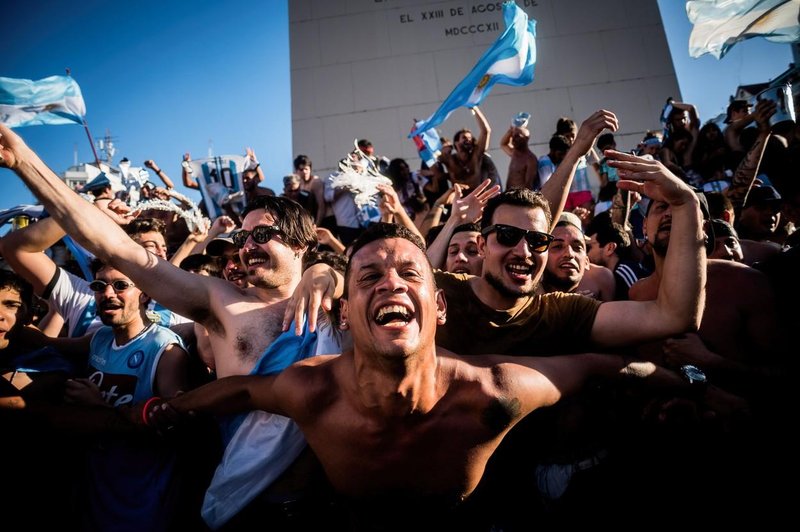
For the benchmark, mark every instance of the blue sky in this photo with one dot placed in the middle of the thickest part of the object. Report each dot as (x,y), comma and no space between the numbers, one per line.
(166,77)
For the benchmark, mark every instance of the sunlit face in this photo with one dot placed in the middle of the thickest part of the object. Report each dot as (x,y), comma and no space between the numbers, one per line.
(658,225)
(727,248)
(10,312)
(233,271)
(465,142)
(272,264)
(117,307)
(566,258)
(514,272)
(680,120)
(392,307)
(463,255)
(154,242)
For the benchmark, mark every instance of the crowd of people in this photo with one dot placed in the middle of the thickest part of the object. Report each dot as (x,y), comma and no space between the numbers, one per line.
(595,336)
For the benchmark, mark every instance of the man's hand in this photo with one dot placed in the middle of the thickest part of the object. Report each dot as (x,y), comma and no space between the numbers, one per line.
(12,148)
(649,177)
(763,112)
(591,128)
(688,349)
(222,224)
(117,210)
(389,201)
(316,289)
(469,208)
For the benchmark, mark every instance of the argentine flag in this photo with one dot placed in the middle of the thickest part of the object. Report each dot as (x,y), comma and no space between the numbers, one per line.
(719,24)
(510,61)
(48,101)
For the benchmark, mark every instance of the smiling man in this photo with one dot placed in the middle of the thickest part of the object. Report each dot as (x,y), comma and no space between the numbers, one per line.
(243,323)
(403,428)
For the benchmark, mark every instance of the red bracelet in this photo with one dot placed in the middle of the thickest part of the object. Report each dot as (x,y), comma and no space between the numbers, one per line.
(146,406)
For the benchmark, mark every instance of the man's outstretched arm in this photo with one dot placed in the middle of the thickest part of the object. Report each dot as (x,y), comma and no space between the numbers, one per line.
(179,291)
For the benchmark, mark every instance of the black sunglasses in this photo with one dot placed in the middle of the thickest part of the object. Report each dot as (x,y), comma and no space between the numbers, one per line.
(261,235)
(118,285)
(509,236)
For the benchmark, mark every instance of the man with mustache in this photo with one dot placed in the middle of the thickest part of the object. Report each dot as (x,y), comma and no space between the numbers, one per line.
(244,324)
(403,428)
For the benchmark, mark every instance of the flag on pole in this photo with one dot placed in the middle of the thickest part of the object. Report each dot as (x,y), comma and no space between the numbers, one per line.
(720,24)
(48,101)
(510,61)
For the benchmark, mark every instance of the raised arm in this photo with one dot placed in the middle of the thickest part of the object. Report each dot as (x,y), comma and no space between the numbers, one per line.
(182,292)
(151,164)
(24,249)
(681,293)
(466,209)
(505,142)
(186,175)
(556,188)
(747,170)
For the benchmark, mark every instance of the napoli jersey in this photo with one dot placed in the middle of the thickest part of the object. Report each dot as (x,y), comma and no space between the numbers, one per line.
(125,374)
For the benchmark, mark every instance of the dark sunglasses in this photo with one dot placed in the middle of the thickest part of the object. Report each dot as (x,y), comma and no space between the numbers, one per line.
(118,286)
(261,235)
(509,236)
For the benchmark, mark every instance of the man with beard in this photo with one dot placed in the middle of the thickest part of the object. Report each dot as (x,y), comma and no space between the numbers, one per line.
(500,311)
(131,480)
(244,324)
(468,164)
(568,268)
(404,428)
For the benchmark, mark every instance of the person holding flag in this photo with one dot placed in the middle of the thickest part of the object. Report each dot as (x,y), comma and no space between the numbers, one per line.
(510,61)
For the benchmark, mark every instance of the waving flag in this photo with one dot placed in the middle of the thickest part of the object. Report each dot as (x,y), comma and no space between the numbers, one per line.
(429,144)
(719,24)
(510,61)
(48,101)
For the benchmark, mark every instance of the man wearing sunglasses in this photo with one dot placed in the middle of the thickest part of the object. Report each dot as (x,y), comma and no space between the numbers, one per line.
(128,360)
(243,324)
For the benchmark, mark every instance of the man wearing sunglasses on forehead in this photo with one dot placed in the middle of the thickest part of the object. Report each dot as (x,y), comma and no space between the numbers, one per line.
(244,324)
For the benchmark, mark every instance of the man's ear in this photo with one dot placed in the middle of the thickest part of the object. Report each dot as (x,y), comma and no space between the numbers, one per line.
(482,245)
(611,247)
(144,300)
(441,307)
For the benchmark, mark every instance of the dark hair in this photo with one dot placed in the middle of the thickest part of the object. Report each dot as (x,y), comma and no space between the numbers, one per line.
(565,125)
(611,232)
(559,143)
(433,232)
(11,281)
(459,134)
(95,266)
(605,140)
(146,225)
(302,160)
(723,228)
(718,203)
(382,231)
(470,228)
(337,261)
(292,219)
(518,197)
(207,263)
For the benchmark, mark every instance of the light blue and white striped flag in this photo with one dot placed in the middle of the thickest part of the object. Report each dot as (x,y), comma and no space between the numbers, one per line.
(510,61)
(49,101)
(719,24)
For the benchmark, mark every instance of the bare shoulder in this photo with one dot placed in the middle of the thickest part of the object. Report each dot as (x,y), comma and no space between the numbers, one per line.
(730,275)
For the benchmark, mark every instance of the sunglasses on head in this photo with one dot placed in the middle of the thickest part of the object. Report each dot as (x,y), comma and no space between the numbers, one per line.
(118,285)
(261,235)
(509,236)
